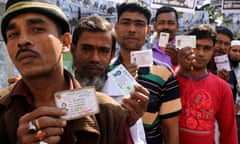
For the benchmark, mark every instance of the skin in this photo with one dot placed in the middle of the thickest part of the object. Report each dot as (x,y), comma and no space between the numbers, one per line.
(132,29)
(166,22)
(234,53)
(93,48)
(222,47)
(96,48)
(197,58)
(41,67)
(203,54)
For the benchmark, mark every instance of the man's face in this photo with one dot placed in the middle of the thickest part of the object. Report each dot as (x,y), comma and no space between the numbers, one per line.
(166,22)
(92,56)
(222,45)
(34,44)
(234,53)
(203,53)
(132,30)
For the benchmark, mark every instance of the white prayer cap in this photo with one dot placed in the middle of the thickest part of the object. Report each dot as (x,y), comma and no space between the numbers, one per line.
(235,42)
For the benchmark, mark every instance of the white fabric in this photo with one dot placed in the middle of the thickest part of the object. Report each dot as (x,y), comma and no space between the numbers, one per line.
(137,130)
(235,42)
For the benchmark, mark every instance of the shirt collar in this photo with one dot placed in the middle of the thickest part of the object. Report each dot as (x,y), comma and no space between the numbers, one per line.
(22,90)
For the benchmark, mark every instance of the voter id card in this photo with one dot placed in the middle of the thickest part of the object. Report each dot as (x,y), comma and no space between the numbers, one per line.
(163,39)
(78,102)
(183,41)
(222,62)
(123,80)
(142,58)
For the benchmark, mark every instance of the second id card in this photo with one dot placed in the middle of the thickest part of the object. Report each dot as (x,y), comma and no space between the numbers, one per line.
(222,62)
(78,102)
(142,58)
(185,41)
(123,79)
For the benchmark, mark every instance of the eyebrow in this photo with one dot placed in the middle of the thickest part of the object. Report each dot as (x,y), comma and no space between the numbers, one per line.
(29,22)
(134,20)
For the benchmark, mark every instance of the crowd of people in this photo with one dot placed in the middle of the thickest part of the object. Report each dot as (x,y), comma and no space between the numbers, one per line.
(179,99)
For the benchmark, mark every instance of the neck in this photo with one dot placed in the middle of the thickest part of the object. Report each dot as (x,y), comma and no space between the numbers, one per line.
(44,87)
(125,56)
(199,73)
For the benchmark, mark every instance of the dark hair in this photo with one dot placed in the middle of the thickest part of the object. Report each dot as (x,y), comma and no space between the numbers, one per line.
(166,9)
(225,31)
(93,24)
(134,7)
(204,31)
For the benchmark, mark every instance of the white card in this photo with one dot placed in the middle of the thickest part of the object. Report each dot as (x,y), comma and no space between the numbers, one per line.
(183,41)
(78,102)
(123,79)
(142,58)
(163,39)
(222,62)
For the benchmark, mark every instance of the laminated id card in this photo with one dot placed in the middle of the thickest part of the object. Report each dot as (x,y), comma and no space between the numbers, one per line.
(78,102)
(123,80)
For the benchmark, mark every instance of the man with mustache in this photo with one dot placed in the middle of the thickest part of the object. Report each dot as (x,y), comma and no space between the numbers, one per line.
(221,47)
(166,20)
(161,118)
(93,46)
(37,34)
(205,97)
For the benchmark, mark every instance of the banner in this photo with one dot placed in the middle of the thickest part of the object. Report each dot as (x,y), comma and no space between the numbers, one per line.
(232,6)
(179,5)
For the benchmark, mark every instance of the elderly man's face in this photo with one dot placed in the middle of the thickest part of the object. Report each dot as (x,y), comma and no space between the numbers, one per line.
(92,55)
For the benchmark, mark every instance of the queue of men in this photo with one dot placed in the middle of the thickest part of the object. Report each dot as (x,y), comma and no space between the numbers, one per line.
(177,98)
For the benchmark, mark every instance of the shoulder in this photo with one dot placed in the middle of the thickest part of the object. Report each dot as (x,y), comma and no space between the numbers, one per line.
(5,91)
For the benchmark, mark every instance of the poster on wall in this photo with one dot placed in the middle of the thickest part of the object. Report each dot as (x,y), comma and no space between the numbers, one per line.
(180,5)
(231,6)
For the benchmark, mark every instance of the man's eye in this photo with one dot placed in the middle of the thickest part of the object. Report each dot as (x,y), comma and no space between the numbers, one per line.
(12,35)
(37,29)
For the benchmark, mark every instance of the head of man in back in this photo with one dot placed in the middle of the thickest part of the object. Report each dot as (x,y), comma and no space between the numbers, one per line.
(93,46)
(166,20)
(36,34)
(223,43)
(234,53)
(132,25)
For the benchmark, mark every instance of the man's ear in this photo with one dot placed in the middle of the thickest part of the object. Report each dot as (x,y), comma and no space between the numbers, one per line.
(66,42)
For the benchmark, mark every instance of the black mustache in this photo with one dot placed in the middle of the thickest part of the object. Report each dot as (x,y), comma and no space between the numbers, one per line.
(26,49)
(97,65)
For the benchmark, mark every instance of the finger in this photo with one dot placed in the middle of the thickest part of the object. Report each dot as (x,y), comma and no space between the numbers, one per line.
(52,139)
(44,111)
(53,131)
(46,121)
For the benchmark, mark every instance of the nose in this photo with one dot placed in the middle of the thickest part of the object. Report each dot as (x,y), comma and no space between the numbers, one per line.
(95,56)
(24,41)
(132,28)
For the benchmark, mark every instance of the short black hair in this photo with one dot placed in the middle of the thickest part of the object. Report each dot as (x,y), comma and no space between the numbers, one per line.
(204,31)
(166,9)
(225,31)
(134,7)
